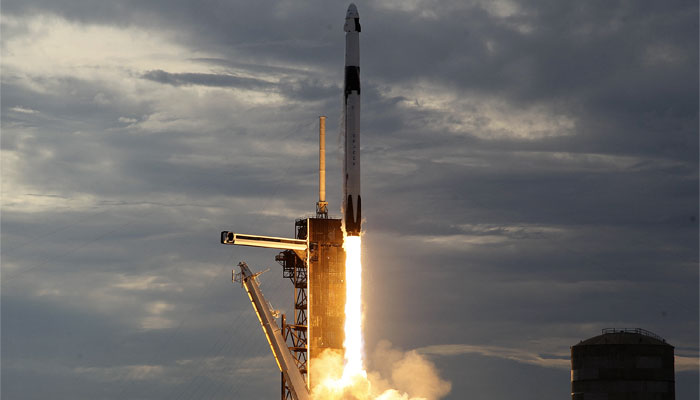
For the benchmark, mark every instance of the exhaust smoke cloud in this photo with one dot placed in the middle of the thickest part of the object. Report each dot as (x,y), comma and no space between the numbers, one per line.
(393,375)
(397,375)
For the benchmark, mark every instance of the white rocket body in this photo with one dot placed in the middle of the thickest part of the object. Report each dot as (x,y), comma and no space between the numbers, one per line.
(352,202)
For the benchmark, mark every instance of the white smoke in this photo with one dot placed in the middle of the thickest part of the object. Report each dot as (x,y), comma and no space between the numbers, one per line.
(393,375)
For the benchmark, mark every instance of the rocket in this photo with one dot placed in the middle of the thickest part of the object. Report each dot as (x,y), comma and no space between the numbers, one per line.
(352,202)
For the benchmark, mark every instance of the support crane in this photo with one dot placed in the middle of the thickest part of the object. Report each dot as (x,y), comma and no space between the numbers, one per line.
(285,361)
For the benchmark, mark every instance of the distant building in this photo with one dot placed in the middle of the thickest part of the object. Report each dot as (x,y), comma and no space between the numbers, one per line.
(623,364)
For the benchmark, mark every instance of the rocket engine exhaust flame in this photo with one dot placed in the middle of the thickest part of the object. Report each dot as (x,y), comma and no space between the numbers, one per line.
(348,378)
(409,376)
(353,343)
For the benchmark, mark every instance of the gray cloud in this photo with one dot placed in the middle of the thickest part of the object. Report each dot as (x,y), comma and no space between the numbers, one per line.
(217,80)
(529,170)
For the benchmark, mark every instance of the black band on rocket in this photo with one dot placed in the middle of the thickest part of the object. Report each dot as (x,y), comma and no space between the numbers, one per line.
(352,79)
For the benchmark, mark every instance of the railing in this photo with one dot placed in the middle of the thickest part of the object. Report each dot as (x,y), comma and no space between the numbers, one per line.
(638,331)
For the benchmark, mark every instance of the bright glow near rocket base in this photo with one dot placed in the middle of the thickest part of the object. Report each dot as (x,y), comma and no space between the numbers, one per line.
(350,375)
(353,344)
(343,377)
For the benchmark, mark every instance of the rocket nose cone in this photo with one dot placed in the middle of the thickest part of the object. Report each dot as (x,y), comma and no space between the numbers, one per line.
(352,11)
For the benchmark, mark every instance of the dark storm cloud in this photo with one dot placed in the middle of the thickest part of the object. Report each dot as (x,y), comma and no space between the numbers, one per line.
(293,88)
(585,58)
(217,80)
(477,234)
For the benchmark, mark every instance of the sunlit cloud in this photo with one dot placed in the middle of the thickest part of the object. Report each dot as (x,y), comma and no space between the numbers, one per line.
(684,363)
(481,116)
(559,361)
(141,283)
(50,46)
(515,164)
(122,373)
(23,110)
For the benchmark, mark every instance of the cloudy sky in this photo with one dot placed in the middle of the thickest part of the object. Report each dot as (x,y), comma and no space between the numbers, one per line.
(530,176)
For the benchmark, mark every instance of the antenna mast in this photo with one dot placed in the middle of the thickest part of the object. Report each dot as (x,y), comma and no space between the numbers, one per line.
(322,205)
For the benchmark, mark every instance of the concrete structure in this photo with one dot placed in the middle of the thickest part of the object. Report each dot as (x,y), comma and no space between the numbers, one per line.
(623,364)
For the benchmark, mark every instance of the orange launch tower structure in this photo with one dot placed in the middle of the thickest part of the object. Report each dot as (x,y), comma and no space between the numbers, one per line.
(314,261)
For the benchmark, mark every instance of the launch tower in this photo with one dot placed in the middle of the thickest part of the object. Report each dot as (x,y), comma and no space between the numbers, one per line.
(314,261)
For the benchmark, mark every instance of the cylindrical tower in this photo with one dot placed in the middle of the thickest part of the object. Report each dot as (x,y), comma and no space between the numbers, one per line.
(623,364)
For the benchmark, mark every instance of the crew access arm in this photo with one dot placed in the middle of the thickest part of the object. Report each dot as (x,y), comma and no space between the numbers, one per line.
(284,358)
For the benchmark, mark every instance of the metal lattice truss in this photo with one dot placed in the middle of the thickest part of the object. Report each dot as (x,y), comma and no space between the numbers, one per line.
(295,269)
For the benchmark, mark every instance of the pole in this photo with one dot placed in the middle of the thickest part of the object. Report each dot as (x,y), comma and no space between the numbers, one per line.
(322,205)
